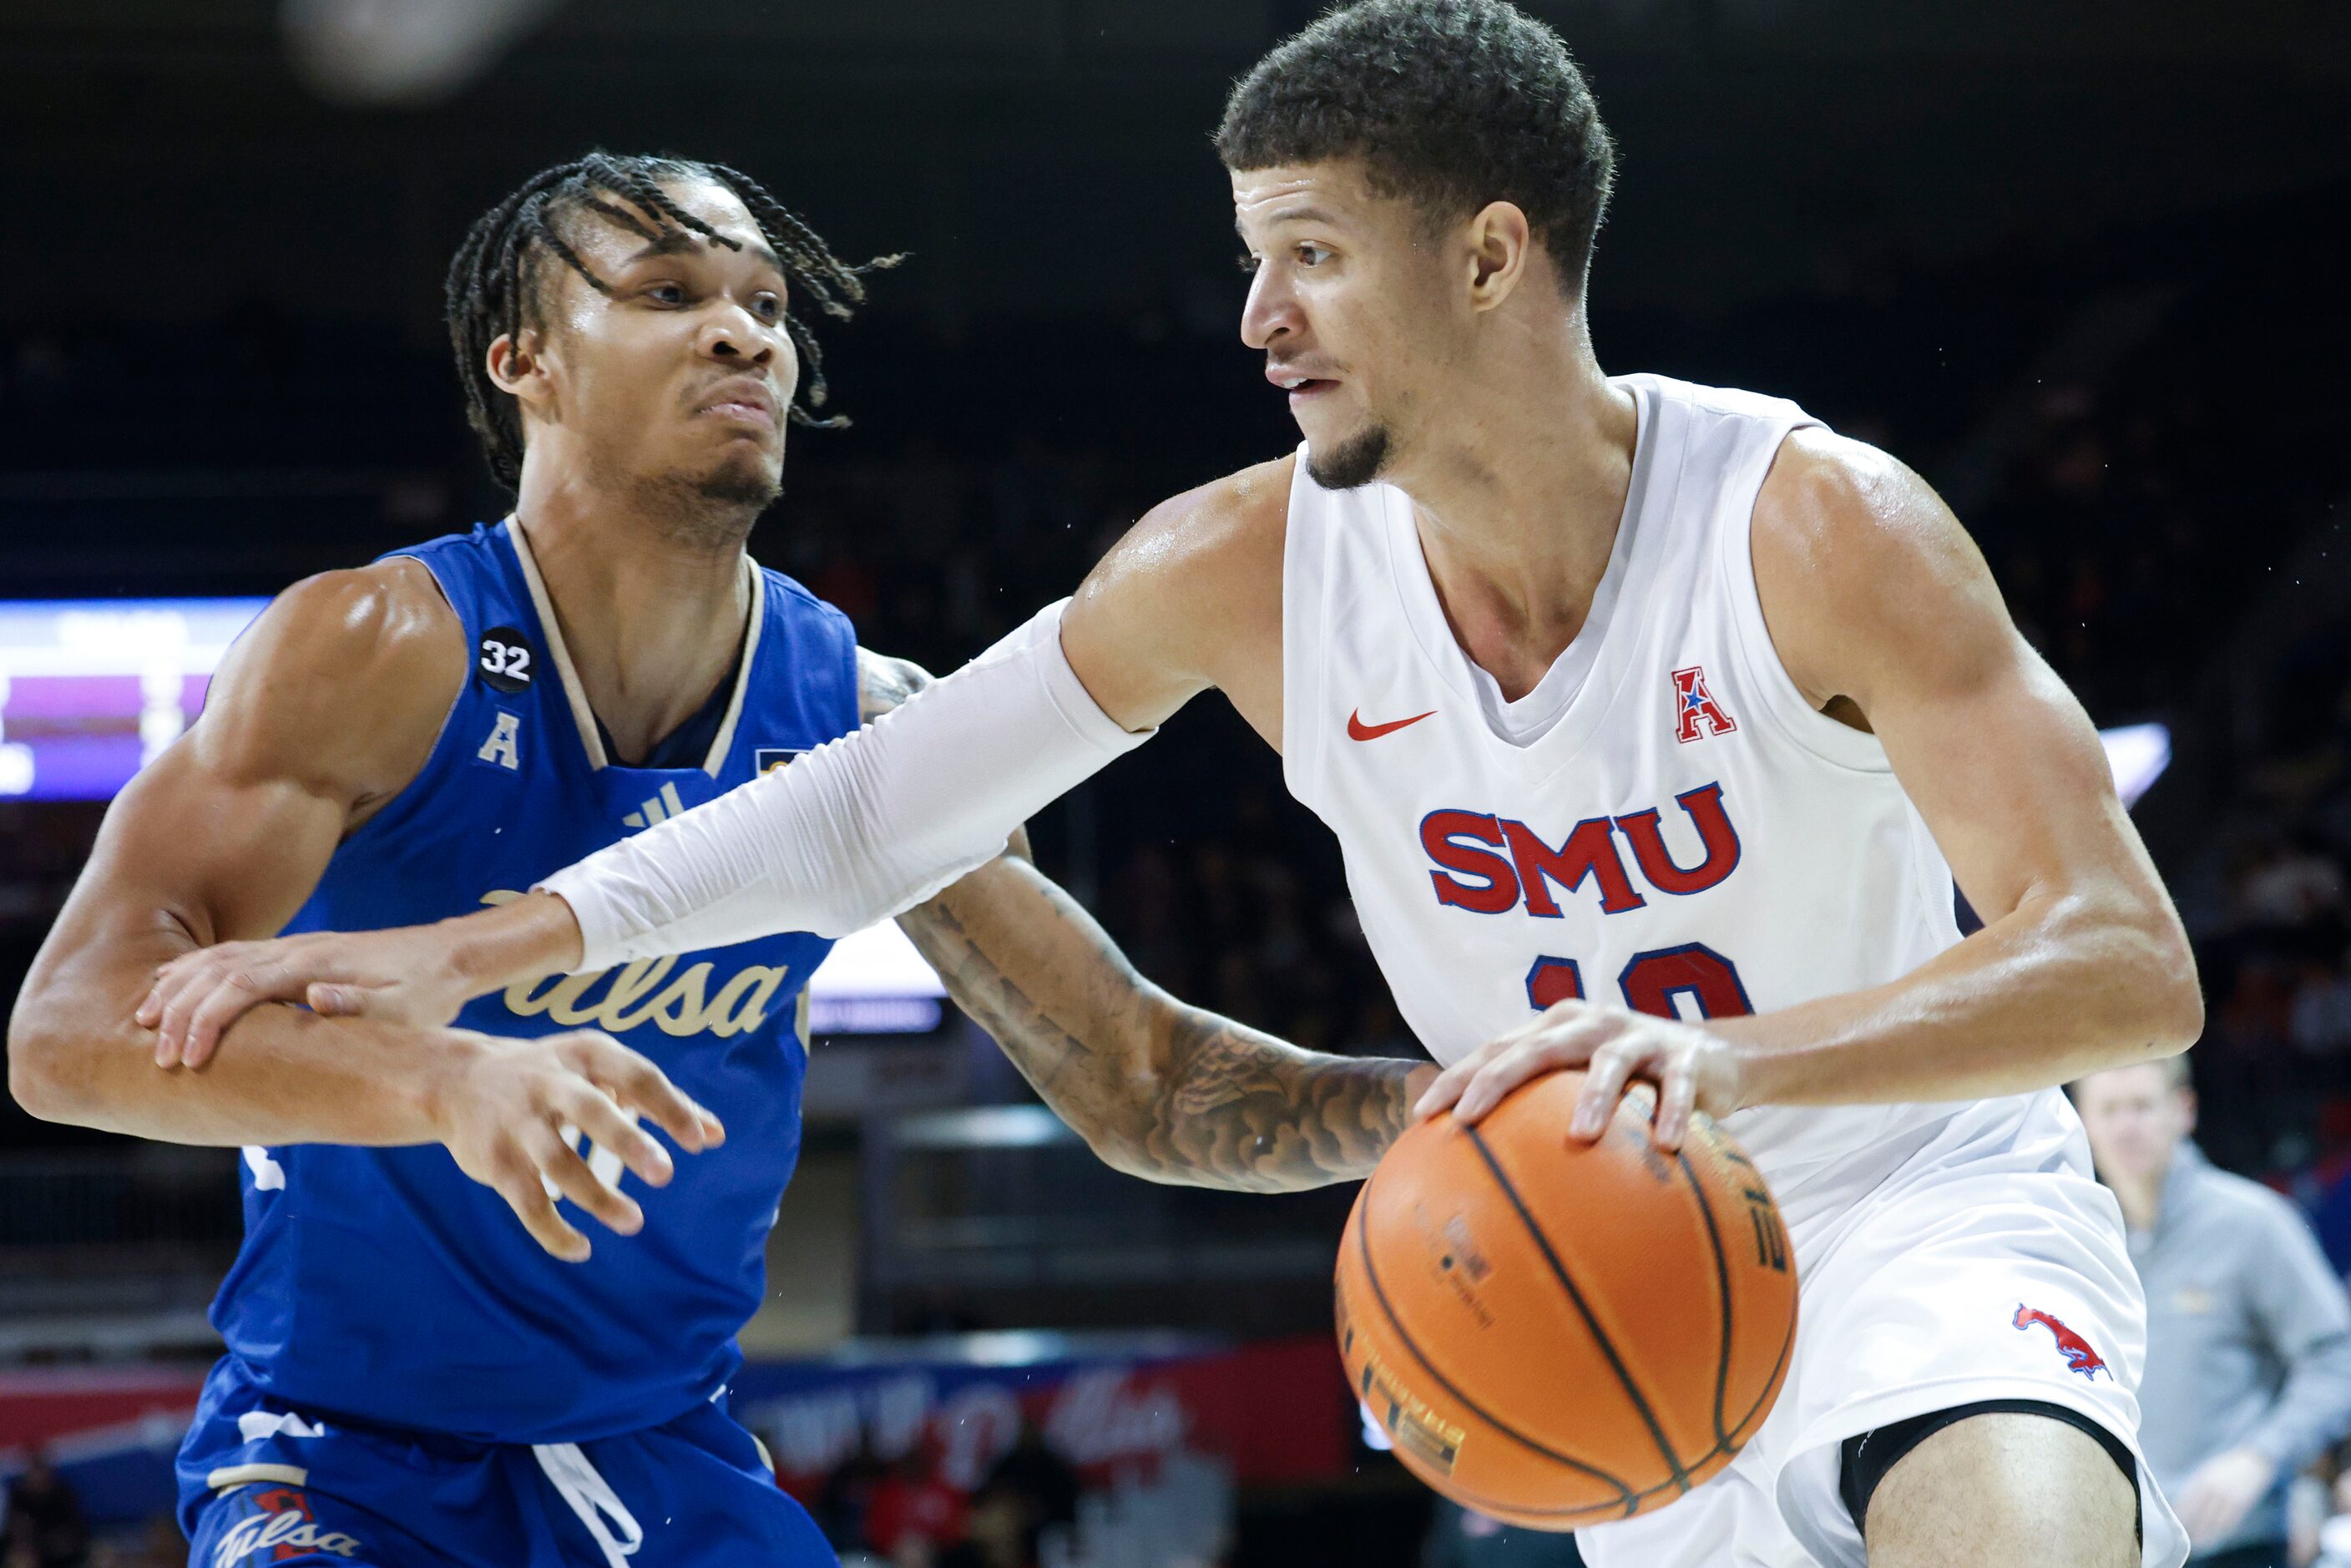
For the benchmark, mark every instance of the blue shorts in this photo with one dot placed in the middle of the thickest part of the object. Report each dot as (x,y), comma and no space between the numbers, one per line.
(264,1483)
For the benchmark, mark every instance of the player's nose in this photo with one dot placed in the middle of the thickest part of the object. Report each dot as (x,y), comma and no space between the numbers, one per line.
(1271,311)
(734,334)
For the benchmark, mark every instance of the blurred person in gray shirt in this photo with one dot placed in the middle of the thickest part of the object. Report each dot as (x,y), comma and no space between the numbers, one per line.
(2248,1329)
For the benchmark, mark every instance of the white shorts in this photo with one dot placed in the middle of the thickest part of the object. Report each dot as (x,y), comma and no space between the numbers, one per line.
(1909,1303)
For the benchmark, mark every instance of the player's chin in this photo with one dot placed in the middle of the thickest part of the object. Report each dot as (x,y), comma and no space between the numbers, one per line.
(744,476)
(1347,457)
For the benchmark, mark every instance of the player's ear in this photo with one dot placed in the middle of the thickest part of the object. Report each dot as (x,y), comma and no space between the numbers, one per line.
(515,366)
(1501,243)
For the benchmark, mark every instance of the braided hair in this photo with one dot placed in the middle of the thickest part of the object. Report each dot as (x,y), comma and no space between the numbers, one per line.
(494,280)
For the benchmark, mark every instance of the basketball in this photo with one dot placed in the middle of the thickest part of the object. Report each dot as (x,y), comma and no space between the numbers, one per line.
(1558,1334)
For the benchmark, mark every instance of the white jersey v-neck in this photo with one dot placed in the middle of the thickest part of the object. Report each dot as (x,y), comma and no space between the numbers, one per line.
(1527,719)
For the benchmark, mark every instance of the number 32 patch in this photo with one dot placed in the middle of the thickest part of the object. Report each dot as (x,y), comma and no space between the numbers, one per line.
(506,659)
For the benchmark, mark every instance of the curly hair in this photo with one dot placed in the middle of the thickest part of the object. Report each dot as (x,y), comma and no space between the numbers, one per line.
(495,282)
(1449,103)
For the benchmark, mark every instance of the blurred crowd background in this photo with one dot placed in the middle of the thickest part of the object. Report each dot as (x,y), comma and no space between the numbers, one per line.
(2081,265)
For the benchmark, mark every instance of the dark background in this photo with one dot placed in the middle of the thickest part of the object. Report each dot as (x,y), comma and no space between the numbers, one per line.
(2084,265)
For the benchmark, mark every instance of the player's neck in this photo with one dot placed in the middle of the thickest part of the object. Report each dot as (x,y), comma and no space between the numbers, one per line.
(1518,493)
(652,615)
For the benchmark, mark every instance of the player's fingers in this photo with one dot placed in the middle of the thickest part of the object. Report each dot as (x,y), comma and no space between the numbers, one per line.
(238,987)
(176,987)
(215,986)
(1676,1099)
(1611,1068)
(564,1174)
(155,1013)
(1557,1044)
(346,1000)
(188,991)
(1447,1086)
(516,1178)
(169,980)
(1511,1069)
(176,970)
(637,1083)
(615,1129)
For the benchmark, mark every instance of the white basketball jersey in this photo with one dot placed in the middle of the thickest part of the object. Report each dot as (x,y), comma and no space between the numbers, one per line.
(1664,821)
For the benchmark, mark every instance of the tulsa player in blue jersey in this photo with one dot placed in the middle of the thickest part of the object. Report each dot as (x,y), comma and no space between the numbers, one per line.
(412,1377)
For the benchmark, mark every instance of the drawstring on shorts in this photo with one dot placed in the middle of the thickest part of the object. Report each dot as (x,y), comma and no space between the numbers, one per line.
(592,1499)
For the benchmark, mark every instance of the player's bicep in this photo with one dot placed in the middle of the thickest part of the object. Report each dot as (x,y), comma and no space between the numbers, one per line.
(1875,593)
(330,701)
(2010,778)
(219,856)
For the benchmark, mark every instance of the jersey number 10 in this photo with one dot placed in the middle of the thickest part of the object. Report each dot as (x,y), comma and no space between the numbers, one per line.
(1652,982)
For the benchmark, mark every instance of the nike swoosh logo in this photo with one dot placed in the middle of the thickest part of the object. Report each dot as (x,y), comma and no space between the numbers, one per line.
(1358,730)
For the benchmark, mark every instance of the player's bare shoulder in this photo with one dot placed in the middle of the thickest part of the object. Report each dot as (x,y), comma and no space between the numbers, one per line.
(1208,543)
(1191,597)
(342,683)
(1855,555)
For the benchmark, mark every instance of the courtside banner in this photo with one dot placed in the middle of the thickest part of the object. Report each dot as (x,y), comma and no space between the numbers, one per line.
(1268,1413)
(1128,1412)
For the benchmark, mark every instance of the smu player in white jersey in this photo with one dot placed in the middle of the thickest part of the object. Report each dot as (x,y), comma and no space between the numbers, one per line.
(1656,724)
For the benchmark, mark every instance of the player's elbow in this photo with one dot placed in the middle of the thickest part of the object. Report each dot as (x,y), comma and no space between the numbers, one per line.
(1123,1151)
(2181,1023)
(41,1076)
(2170,1000)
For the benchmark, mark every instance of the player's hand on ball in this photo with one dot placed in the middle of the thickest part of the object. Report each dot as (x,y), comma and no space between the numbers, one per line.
(1693,1070)
(401,976)
(512,1111)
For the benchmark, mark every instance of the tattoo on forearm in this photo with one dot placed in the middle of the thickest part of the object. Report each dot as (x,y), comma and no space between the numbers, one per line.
(1159,1089)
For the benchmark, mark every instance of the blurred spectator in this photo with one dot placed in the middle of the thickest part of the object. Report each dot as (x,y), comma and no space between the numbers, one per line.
(43,1526)
(915,1520)
(1031,1489)
(2320,1021)
(840,1507)
(1459,1538)
(159,1546)
(2248,1332)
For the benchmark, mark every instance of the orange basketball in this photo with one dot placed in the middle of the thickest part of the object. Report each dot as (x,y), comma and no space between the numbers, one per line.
(1560,1334)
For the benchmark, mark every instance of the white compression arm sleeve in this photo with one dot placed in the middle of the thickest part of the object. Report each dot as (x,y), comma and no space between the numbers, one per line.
(862,827)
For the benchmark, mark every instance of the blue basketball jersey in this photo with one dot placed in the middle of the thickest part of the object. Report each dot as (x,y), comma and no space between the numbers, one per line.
(384,1284)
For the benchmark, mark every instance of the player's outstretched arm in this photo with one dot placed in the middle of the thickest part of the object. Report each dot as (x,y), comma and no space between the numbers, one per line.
(1157,1088)
(865,826)
(325,709)
(1885,616)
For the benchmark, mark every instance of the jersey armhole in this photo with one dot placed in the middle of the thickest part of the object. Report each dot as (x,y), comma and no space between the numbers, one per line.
(1774,690)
